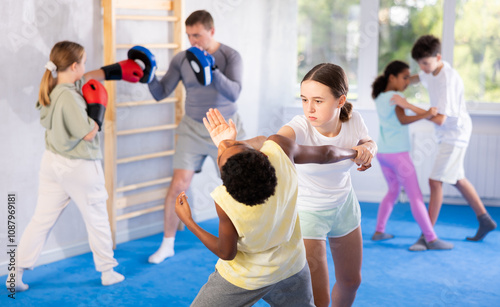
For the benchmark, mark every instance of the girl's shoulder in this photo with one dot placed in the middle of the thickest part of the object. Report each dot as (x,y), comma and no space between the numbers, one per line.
(355,116)
(385,97)
(355,123)
(389,94)
(68,94)
(298,121)
(68,91)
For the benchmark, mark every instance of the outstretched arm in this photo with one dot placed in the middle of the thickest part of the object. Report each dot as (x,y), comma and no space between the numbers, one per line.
(439,119)
(221,130)
(97,74)
(436,118)
(224,246)
(403,103)
(405,119)
(414,79)
(312,154)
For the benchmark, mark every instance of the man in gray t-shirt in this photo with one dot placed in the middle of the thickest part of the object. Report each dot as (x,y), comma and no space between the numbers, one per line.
(193,141)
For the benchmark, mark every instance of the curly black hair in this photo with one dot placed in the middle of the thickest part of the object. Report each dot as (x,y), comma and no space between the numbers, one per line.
(249,177)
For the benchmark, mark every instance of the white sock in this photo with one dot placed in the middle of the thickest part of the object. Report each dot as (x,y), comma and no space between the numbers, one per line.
(18,284)
(166,250)
(111,277)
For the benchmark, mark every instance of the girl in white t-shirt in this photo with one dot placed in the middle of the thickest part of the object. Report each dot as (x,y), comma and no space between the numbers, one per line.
(327,205)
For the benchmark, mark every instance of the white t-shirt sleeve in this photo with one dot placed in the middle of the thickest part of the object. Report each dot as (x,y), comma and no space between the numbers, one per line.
(359,126)
(441,99)
(423,78)
(299,126)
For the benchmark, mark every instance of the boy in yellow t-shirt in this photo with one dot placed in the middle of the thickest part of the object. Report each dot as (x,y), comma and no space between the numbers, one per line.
(260,246)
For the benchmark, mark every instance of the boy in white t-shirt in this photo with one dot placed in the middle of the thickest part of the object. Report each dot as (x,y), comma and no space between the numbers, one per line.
(453,129)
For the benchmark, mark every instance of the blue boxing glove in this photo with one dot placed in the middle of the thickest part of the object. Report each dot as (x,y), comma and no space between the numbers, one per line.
(202,64)
(148,60)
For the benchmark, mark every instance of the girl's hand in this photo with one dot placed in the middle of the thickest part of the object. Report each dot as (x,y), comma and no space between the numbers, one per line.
(91,135)
(363,158)
(182,208)
(400,101)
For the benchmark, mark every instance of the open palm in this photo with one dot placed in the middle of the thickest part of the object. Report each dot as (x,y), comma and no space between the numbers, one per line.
(218,128)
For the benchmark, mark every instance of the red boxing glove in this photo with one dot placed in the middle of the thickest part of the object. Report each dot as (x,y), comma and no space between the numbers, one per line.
(96,96)
(131,71)
(127,70)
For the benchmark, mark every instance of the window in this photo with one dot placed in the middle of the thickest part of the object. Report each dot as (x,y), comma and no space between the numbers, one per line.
(401,23)
(328,31)
(476,53)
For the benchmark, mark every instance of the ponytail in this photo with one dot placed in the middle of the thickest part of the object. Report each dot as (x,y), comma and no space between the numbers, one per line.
(46,86)
(346,112)
(379,85)
(62,55)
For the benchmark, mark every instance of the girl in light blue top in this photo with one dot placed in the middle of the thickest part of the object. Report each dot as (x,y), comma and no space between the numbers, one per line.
(394,157)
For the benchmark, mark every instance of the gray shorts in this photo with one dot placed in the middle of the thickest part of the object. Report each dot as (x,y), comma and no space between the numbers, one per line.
(194,143)
(296,290)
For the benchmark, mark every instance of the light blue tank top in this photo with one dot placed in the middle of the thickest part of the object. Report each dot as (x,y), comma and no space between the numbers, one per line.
(393,136)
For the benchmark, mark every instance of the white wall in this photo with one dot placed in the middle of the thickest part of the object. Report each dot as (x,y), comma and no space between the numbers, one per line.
(28,30)
(262,31)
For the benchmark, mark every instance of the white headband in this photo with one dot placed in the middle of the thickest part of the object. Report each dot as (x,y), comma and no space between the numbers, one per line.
(51,66)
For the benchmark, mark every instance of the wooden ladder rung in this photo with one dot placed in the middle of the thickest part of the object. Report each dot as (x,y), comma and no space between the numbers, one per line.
(143,185)
(147,129)
(147,17)
(149,46)
(139,213)
(140,198)
(146,102)
(144,5)
(145,157)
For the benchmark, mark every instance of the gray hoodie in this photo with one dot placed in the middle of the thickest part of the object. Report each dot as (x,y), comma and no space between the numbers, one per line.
(66,122)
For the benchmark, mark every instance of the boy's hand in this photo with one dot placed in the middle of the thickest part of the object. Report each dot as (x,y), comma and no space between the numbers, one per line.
(400,101)
(433,111)
(363,168)
(219,129)
(182,208)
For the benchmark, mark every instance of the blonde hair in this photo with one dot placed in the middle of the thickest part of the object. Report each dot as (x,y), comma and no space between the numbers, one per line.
(63,55)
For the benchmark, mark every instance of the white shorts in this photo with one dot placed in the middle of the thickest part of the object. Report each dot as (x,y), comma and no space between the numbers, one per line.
(449,164)
(332,223)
